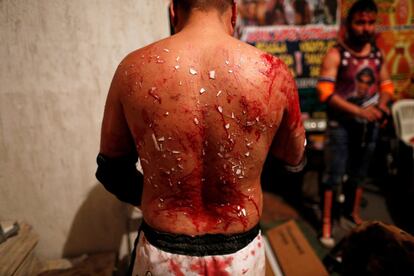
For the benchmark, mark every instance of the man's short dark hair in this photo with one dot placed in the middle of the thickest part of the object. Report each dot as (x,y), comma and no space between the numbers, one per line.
(361,6)
(204,5)
(374,249)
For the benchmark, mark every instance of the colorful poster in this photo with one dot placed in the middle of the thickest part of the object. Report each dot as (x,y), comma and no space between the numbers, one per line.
(300,31)
(287,12)
(301,48)
(396,39)
(297,31)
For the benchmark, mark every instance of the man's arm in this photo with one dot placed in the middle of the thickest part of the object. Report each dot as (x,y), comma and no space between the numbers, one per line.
(386,89)
(326,84)
(116,138)
(118,156)
(289,142)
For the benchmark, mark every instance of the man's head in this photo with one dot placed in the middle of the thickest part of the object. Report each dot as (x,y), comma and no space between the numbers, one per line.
(250,7)
(375,248)
(183,8)
(364,79)
(204,5)
(360,22)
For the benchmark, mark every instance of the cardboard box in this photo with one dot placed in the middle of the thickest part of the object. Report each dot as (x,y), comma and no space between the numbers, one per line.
(293,252)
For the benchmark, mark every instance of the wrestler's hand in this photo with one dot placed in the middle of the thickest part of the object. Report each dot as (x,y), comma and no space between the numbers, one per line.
(383,108)
(370,114)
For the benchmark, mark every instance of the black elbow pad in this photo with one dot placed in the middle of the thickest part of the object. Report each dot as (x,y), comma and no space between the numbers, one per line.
(299,167)
(120,177)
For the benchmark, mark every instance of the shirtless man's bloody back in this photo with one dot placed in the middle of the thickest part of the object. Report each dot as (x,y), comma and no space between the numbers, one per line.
(202,110)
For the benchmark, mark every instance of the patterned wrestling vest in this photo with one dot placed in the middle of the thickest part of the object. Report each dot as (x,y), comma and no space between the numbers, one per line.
(358,78)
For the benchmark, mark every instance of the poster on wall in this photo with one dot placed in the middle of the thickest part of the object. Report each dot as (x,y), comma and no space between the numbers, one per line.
(287,12)
(396,38)
(301,48)
(297,31)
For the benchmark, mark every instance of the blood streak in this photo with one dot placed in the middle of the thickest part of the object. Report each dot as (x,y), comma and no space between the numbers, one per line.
(288,86)
(186,198)
(270,73)
(224,190)
(230,98)
(214,266)
(151,92)
(175,269)
(212,204)
(254,110)
(194,140)
(206,203)
(223,119)
(258,134)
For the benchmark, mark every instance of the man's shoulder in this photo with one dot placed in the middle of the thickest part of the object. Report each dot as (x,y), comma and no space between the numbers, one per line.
(332,57)
(334,51)
(148,51)
(262,58)
(256,53)
(175,44)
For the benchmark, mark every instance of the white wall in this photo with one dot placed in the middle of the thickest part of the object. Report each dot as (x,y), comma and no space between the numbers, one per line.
(57,58)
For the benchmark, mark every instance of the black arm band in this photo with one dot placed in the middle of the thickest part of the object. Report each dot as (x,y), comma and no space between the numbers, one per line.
(299,167)
(120,177)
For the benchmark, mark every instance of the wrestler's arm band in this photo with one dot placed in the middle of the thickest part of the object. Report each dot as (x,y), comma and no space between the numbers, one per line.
(120,177)
(297,168)
(387,87)
(325,88)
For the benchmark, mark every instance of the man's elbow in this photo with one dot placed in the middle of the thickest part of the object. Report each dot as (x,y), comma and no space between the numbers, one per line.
(298,167)
(294,159)
(325,88)
(120,177)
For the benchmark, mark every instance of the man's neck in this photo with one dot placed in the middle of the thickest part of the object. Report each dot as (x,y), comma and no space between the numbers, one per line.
(357,49)
(206,22)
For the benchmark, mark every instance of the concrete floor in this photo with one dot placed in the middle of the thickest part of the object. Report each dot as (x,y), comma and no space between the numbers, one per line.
(387,198)
(277,208)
